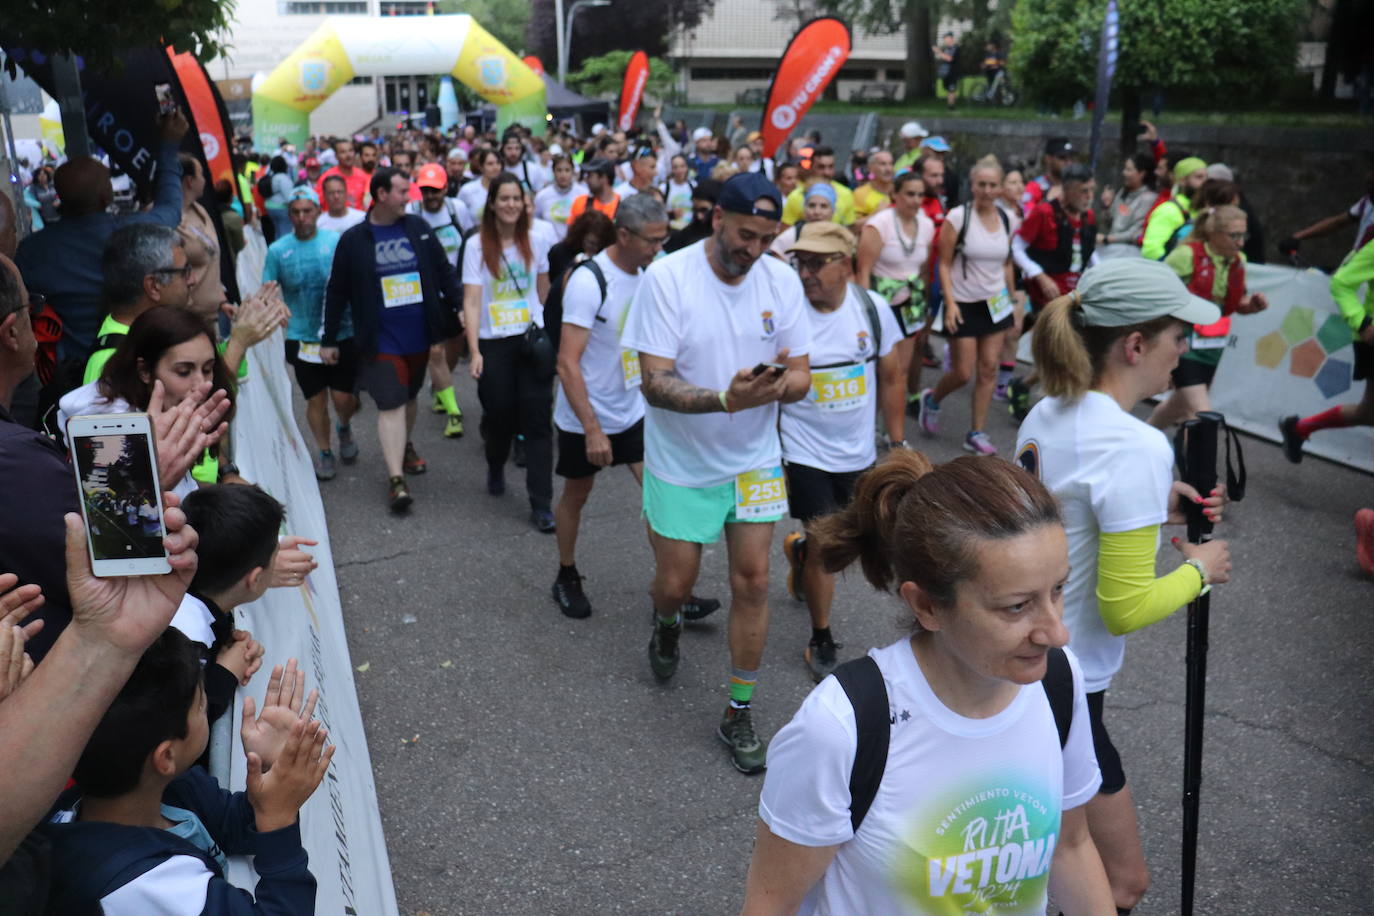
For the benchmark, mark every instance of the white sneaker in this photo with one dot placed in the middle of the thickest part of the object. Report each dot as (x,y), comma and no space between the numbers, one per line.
(978,442)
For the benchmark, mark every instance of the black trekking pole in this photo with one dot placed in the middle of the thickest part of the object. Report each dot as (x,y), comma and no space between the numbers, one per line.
(1196,448)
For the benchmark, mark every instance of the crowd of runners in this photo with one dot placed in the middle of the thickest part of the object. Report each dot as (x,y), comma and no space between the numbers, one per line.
(747,336)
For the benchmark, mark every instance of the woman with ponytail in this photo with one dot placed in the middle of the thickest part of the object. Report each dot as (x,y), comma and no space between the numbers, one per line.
(1100,351)
(974,760)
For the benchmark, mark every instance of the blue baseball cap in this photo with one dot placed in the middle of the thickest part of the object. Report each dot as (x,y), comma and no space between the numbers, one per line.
(742,193)
(939,144)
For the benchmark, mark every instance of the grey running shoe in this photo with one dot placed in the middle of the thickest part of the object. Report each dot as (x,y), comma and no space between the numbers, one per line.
(821,658)
(663,653)
(325,468)
(348,449)
(695,608)
(736,731)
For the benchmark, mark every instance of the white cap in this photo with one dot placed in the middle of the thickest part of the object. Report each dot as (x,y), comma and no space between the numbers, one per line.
(1221,171)
(701,133)
(555,149)
(913,129)
(598,129)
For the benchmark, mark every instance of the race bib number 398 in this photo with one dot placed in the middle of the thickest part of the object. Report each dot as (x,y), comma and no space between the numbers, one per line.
(760,494)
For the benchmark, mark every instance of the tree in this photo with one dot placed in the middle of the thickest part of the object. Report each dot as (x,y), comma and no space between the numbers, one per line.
(506,20)
(632,25)
(605,75)
(1207,47)
(884,17)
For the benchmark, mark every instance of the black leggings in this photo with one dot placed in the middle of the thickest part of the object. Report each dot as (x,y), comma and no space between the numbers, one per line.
(515,401)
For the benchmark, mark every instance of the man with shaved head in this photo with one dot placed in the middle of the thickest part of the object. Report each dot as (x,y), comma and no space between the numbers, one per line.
(63,260)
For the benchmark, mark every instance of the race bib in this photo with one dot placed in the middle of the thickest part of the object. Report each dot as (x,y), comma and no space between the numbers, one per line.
(1076,259)
(1000,308)
(401,289)
(1198,342)
(309,353)
(508,316)
(629,367)
(760,494)
(448,237)
(841,388)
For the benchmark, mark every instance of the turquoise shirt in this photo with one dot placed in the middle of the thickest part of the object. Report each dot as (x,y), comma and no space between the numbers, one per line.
(302,269)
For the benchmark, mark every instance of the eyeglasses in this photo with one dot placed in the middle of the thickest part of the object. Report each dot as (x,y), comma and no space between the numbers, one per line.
(1238,236)
(654,240)
(814,264)
(171,271)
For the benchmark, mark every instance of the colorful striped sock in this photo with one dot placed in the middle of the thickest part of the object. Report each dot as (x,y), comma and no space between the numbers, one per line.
(742,687)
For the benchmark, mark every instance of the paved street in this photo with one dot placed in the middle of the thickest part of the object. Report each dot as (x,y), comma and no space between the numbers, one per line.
(551,774)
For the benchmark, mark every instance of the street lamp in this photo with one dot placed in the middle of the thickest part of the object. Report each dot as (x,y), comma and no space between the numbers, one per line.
(564,30)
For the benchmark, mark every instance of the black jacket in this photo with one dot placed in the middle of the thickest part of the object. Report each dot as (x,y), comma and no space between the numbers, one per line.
(353,284)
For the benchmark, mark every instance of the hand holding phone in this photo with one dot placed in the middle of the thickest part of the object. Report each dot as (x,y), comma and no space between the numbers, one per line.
(121,497)
(166,102)
(775,369)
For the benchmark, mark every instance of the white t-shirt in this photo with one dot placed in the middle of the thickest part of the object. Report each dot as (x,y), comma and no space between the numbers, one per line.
(1110,472)
(711,330)
(543,233)
(449,224)
(832,428)
(978,273)
(968,810)
(531,172)
(610,372)
(474,196)
(554,205)
(625,189)
(679,197)
(194,620)
(350,219)
(510,301)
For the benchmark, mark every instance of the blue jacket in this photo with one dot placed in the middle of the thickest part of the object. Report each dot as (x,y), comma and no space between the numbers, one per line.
(63,261)
(91,860)
(353,285)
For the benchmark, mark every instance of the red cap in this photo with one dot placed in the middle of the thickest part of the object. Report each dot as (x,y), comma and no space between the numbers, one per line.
(432,175)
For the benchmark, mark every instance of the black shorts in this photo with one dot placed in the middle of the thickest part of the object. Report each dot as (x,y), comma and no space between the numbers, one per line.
(1364,360)
(812,492)
(627,447)
(950,83)
(394,380)
(1108,760)
(316,377)
(977,321)
(1193,372)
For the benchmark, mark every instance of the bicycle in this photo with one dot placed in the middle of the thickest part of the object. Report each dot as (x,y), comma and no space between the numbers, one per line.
(999,91)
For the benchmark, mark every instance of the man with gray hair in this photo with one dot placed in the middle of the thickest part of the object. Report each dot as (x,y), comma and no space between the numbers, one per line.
(599,412)
(143,264)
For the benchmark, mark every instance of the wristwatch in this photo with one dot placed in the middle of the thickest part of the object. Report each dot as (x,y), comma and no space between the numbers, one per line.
(1201,571)
(228,467)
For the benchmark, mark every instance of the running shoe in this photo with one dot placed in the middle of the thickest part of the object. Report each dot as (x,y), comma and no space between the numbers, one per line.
(1364,540)
(929,414)
(496,482)
(325,468)
(978,442)
(438,405)
(663,653)
(736,731)
(821,658)
(571,600)
(517,452)
(1292,439)
(794,548)
(695,608)
(999,394)
(453,428)
(542,520)
(413,463)
(348,449)
(1018,399)
(399,495)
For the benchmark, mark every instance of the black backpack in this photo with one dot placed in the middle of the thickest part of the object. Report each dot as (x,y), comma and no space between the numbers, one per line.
(863,684)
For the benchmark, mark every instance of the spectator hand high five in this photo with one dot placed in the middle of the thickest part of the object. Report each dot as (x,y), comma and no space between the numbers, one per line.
(292,564)
(266,734)
(184,432)
(15,605)
(277,795)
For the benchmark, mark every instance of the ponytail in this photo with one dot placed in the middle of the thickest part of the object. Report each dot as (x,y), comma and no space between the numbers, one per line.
(910,521)
(1213,218)
(1070,354)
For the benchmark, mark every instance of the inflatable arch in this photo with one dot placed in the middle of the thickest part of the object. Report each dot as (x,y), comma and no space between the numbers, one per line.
(341,49)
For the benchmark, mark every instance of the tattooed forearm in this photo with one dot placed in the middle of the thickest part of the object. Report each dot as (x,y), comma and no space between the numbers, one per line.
(666,389)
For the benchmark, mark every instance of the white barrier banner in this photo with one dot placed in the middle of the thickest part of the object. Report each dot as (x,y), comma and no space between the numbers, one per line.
(340,825)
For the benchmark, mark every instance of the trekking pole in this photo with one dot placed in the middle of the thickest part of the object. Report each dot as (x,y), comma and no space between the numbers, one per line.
(1196,450)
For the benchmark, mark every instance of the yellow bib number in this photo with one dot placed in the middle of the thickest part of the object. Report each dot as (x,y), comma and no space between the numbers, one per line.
(401,289)
(629,367)
(1000,307)
(508,316)
(309,353)
(760,494)
(842,388)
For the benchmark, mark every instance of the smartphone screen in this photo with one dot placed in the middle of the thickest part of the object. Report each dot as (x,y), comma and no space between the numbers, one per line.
(166,102)
(116,474)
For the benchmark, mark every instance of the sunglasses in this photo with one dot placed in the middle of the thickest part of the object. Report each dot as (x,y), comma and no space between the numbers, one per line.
(814,264)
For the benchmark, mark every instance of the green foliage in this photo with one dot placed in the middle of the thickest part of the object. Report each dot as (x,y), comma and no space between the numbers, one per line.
(506,20)
(98,29)
(879,17)
(604,75)
(1226,49)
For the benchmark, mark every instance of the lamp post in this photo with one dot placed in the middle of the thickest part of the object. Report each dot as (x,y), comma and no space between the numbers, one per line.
(563,29)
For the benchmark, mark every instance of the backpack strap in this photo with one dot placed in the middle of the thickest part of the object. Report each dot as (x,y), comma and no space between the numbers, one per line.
(600,282)
(871,310)
(863,684)
(1058,684)
(108,341)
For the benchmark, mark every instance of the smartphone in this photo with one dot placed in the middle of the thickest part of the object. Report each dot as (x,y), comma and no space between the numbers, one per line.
(778,369)
(166,102)
(115,462)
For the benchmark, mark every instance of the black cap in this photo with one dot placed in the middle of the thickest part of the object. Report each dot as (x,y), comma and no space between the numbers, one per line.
(1058,146)
(707,189)
(741,194)
(604,166)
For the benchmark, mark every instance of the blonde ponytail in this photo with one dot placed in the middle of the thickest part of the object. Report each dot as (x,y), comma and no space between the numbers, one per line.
(1061,354)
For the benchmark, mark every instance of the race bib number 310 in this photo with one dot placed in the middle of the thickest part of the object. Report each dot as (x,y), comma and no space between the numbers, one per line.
(760,494)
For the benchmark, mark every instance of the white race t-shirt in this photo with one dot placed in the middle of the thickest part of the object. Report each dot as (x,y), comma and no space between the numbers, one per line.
(474,196)
(554,205)
(711,330)
(832,428)
(625,189)
(968,810)
(529,172)
(610,372)
(449,224)
(350,219)
(1110,472)
(978,273)
(511,300)
(543,233)
(679,197)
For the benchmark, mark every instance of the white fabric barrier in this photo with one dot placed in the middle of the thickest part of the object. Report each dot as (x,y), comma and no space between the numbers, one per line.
(340,826)
(1293,358)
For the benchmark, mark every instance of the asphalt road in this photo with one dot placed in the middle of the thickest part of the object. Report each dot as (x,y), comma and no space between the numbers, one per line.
(553,775)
